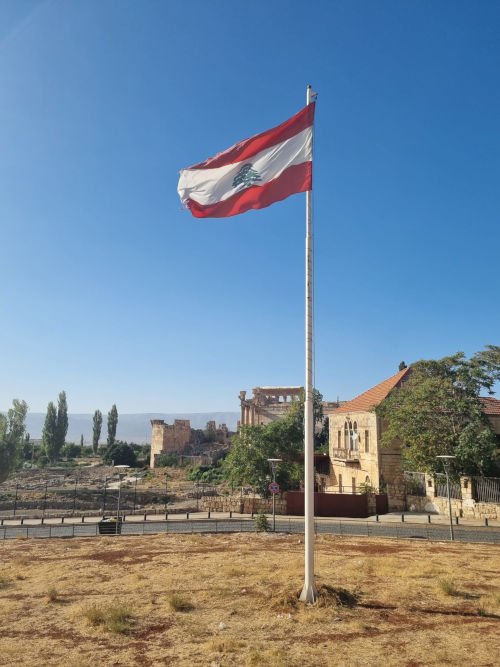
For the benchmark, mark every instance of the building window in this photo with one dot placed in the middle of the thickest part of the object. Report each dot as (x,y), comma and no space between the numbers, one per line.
(367,441)
(351,436)
(354,485)
(340,483)
(339,439)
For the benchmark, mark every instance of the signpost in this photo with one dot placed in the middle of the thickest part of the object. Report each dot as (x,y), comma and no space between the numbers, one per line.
(274,486)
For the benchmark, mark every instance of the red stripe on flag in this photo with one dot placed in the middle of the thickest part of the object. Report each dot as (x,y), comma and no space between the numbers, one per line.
(247,148)
(297,178)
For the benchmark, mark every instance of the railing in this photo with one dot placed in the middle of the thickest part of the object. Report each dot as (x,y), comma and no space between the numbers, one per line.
(486,489)
(441,490)
(346,454)
(331,526)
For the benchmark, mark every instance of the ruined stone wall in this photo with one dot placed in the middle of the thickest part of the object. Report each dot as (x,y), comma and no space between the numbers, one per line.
(267,404)
(168,438)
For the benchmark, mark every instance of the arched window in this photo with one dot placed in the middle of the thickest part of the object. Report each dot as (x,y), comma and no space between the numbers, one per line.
(351,435)
(354,436)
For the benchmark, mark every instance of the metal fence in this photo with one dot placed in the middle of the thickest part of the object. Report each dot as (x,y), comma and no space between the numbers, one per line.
(486,489)
(345,528)
(72,496)
(442,492)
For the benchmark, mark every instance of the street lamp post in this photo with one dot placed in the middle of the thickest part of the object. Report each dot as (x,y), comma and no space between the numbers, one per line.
(121,475)
(446,458)
(273,463)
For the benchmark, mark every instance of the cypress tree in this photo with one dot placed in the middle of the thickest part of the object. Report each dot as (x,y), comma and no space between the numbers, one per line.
(49,435)
(112,424)
(62,422)
(96,432)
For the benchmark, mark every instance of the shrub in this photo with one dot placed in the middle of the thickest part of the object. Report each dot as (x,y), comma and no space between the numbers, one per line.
(261,522)
(166,460)
(52,595)
(448,587)
(114,618)
(367,489)
(178,603)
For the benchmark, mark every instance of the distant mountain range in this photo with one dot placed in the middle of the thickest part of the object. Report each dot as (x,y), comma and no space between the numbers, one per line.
(132,428)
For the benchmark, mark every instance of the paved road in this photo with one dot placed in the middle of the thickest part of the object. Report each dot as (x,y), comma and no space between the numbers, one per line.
(439,532)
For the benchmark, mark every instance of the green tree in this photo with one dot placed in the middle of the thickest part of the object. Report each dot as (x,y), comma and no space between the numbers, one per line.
(210,432)
(119,453)
(26,451)
(61,423)
(261,522)
(112,424)
(247,462)
(71,450)
(81,441)
(96,430)
(12,431)
(437,411)
(49,434)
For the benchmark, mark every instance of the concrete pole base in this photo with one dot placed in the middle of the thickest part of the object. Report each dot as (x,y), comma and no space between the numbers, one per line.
(309,594)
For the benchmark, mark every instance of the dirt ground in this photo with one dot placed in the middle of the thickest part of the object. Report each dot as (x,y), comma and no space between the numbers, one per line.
(221,600)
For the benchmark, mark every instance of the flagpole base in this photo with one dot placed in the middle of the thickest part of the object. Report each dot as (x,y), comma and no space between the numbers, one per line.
(309,594)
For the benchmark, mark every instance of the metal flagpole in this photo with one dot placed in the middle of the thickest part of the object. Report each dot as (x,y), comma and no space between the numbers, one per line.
(309,591)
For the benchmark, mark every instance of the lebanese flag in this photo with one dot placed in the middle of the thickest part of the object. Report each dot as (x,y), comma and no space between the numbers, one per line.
(253,173)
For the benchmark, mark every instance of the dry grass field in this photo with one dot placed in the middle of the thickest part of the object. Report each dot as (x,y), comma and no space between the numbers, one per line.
(231,600)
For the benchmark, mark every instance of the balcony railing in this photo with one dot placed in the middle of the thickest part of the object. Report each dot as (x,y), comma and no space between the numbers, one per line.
(346,454)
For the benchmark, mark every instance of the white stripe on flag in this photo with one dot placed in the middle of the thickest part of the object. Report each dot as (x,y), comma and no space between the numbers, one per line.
(209,186)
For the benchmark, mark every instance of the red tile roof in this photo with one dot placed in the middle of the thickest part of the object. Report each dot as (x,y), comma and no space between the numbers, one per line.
(373,396)
(491,405)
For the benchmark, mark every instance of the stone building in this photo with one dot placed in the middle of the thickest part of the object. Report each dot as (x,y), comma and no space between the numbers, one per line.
(354,446)
(267,404)
(169,438)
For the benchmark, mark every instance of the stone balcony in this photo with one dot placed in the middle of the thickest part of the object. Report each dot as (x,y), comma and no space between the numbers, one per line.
(345,455)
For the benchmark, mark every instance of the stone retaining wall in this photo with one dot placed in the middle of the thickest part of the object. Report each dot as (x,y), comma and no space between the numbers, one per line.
(467,507)
(245,505)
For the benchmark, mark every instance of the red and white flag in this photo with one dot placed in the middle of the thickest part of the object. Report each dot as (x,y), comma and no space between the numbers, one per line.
(253,173)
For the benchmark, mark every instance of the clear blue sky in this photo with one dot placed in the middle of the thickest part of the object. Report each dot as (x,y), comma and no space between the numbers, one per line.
(112,292)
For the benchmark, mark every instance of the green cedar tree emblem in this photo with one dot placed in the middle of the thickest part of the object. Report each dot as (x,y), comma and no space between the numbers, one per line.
(246,175)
